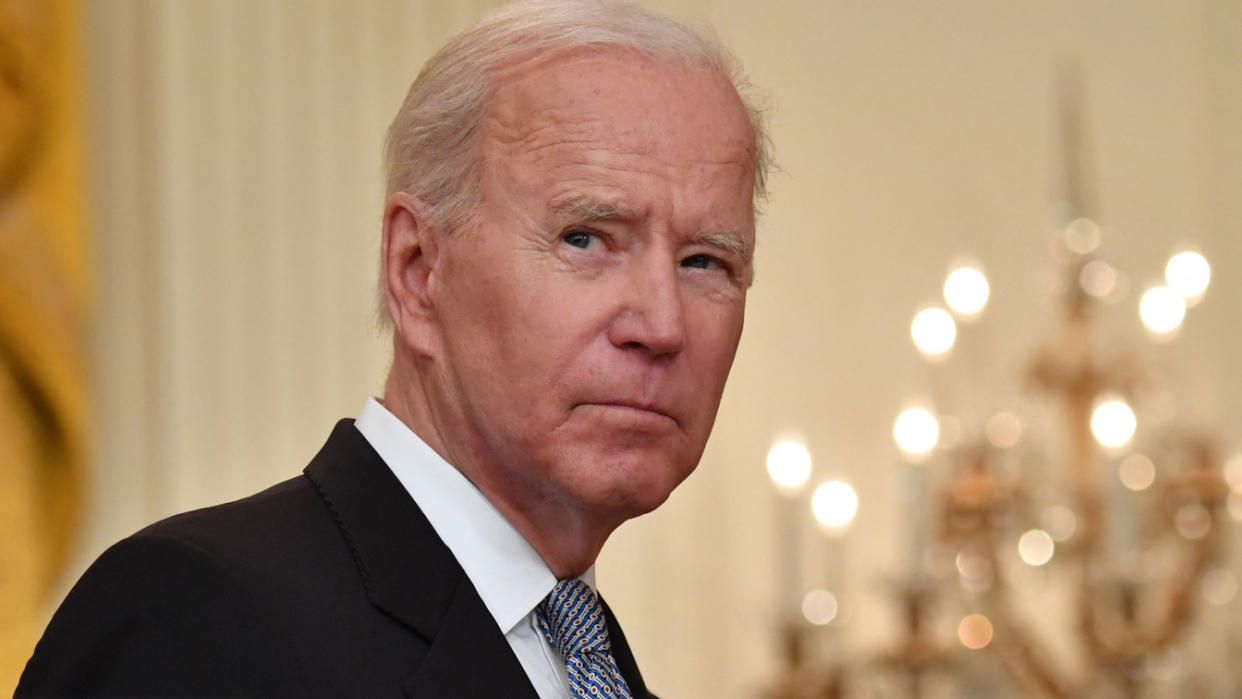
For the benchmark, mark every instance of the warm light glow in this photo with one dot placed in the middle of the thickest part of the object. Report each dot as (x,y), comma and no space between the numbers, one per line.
(933,331)
(1234,504)
(834,504)
(1113,423)
(1164,666)
(1162,310)
(1082,236)
(966,291)
(1189,274)
(916,432)
(972,566)
(789,466)
(1098,278)
(1035,547)
(1060,522)
(1137,472)
(975,631)
(1219,586)
(1232,471)
(819,607)
(1003,430)
(1193,521)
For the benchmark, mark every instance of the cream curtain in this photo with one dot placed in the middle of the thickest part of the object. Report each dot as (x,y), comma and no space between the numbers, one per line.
(236,198)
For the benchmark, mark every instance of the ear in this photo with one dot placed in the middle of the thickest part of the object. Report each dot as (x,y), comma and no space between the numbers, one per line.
(409,251)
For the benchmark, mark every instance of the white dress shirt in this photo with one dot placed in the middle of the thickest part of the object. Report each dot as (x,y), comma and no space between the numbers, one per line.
(509,575)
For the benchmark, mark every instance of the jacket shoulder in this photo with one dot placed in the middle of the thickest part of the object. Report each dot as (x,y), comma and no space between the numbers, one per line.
(157,615)
(259,531)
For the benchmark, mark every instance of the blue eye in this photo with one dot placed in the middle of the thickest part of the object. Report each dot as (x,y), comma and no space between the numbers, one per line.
(579,239)
(699,262)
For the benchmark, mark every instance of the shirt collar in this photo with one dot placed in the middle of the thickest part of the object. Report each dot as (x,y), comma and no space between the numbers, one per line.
(506,570)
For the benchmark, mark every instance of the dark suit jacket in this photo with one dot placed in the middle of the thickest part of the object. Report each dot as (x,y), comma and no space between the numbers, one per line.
(332,584)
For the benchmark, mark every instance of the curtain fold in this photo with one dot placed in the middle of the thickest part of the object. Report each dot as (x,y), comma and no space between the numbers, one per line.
(43,301)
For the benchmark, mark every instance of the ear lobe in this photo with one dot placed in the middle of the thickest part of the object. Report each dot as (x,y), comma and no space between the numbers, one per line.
(409,252)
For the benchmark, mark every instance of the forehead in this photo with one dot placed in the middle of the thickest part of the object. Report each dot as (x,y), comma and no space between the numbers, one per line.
(595,117)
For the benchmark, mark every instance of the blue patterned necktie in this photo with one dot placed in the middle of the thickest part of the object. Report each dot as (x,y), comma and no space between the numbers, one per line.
(572,620)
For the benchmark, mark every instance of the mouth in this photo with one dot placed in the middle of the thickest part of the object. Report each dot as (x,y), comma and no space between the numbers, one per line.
(637,408)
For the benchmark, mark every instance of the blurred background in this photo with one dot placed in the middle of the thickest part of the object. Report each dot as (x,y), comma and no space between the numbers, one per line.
(189,218)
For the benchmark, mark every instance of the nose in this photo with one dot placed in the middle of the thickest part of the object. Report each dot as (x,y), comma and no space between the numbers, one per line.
(651,318)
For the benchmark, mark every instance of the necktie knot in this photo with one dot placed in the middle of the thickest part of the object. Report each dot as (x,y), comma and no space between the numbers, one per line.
(572,619)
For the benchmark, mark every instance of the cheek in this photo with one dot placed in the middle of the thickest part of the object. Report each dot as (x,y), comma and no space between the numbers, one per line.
(492,310)
(715,336)
(556,321)
(531,345)
(718,328)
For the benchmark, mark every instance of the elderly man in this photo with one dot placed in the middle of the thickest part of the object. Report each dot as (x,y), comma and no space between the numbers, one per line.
(567,245)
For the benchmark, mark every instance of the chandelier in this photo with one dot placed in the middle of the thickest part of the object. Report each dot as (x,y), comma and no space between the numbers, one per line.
(1068,544)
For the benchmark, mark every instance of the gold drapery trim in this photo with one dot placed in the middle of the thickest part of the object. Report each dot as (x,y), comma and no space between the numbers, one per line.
(43,299)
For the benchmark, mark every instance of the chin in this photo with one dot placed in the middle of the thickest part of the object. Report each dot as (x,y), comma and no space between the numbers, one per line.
(631,488)
(622,472)
(631,503)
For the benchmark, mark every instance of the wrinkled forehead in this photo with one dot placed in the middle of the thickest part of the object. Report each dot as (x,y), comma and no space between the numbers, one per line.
(643,105)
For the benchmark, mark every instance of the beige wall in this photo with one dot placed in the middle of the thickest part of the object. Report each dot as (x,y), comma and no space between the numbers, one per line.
(236,192)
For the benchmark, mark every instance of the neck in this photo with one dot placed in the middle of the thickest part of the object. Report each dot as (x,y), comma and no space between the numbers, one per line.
(567,538)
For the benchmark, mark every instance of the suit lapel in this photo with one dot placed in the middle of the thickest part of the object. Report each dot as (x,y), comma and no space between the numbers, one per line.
(622,654)
(466,660)
(410,575)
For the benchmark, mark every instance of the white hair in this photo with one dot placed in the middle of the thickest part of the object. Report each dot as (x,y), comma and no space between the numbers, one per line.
(432,150)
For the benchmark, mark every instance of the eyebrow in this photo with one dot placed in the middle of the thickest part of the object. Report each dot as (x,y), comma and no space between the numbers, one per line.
(728,241)
(588,209)
(581,208)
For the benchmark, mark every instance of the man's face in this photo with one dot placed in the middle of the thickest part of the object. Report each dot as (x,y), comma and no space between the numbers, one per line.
(588,323)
